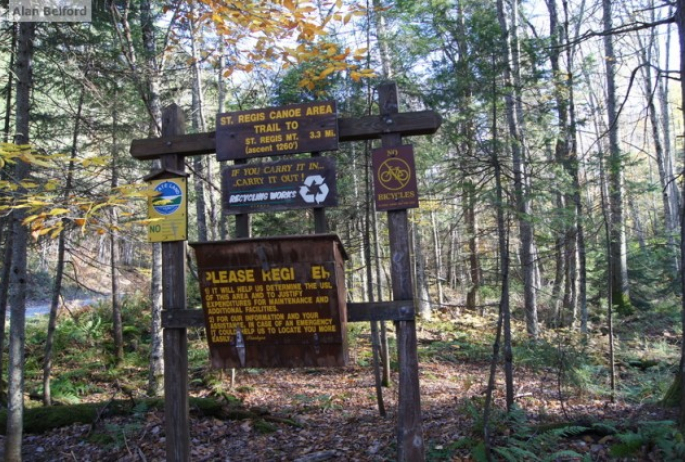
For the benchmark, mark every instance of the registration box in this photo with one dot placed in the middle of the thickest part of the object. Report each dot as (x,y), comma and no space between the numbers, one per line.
(274,302)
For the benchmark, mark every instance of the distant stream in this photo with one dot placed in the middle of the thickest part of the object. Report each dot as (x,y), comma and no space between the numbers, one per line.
(37,309)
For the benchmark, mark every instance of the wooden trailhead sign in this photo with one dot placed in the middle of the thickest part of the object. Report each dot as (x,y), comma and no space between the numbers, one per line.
(276,131)
(282,185)
(274,302)
(314,276)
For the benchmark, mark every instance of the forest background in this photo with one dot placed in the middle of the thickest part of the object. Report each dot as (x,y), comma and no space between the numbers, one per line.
(550,192)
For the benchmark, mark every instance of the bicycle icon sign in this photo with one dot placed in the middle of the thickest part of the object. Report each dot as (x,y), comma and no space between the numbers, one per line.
(394,174)
(395,185)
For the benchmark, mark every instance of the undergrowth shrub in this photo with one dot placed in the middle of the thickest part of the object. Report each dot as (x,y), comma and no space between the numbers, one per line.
(661,439)
(513,438)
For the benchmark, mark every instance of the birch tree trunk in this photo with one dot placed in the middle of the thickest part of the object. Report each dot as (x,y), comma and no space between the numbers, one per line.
(4,293)
(117,322)
(198,124)
(152,85)
(221,96)
(423,297)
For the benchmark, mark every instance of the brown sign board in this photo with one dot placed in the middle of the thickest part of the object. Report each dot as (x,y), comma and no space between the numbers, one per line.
(274,302)
(282,185)
(394,178)
(273,131)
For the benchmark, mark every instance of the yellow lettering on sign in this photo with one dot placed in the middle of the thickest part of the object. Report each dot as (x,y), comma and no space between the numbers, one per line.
(321,109)
(257,117)
(267,128)
(249,181)
(285,113)
(277,168)
(270,139)
(227,276)
(319,272)
(278,274)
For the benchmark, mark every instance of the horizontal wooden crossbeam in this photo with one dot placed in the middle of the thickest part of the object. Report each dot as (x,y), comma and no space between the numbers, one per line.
(401,310)
(349,129)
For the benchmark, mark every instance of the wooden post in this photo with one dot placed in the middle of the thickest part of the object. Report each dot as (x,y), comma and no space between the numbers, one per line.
(410,446)
(173,299)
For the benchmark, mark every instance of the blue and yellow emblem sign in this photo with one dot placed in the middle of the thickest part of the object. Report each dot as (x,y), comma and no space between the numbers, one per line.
(168,210)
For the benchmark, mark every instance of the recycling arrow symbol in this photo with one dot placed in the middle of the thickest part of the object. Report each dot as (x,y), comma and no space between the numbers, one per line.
(314,189)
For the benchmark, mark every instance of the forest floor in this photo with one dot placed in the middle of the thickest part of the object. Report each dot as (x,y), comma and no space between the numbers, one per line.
(310,415)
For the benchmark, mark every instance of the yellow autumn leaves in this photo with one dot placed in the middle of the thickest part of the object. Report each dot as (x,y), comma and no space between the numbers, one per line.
(287,32)
(48,208)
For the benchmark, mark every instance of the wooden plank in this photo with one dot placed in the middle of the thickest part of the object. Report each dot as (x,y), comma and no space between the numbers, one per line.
(176,408)
(402,124)
(174,319)
(410,444)
(349,129)
(402,310)
(275,131)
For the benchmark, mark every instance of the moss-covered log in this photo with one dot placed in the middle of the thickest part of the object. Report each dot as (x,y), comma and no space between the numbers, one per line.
(42,419)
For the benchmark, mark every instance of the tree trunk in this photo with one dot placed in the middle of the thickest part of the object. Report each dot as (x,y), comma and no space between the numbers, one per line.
(566,156)
(378,263)
(382,37)
(198,124)
(221,96)
(59,270)
(8,93)
(516,143)
(423,297)
(672,185)
(620,296)
(504,308)
(18,273)
(368,265)
(117,322)
(4,292)
(152,77)
(437,257)
(662,149)
(469,206)
(680,21)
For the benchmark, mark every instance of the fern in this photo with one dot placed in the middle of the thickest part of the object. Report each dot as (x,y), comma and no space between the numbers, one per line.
(662,436)
(516,454)
(569,432)
(630,444)
(607,428)
(478,453)
(564,454)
